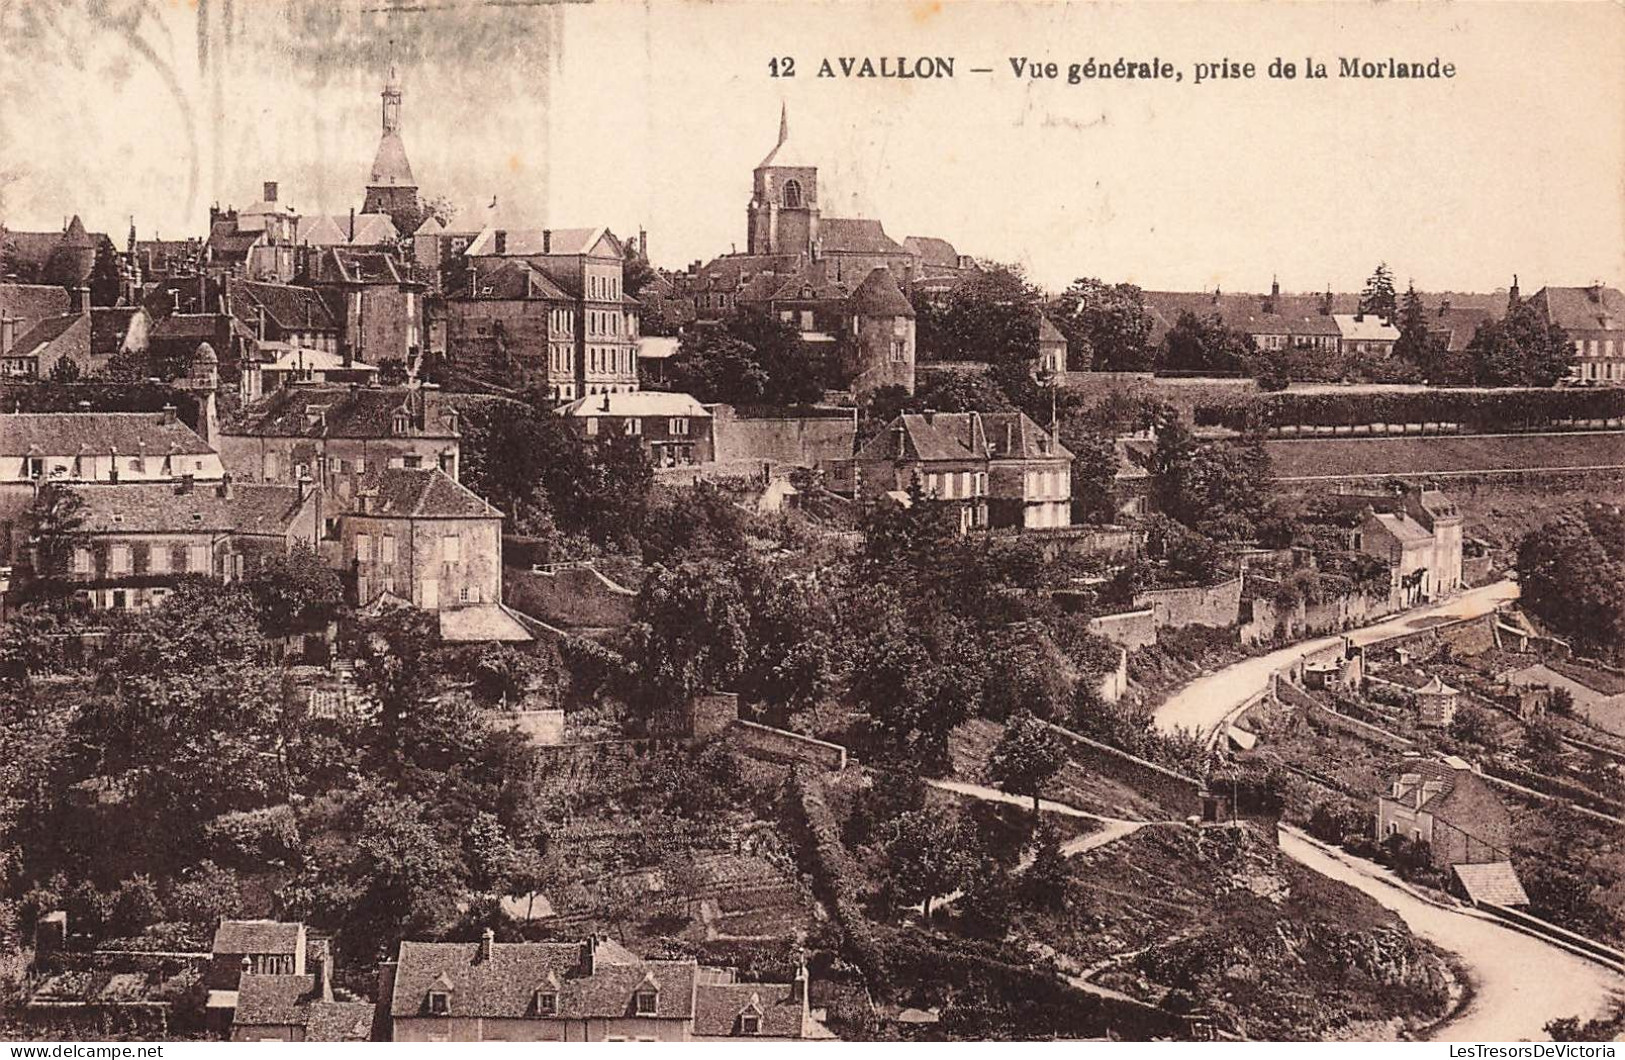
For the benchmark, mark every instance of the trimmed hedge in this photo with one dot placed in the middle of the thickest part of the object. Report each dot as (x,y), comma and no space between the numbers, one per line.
(1475,411)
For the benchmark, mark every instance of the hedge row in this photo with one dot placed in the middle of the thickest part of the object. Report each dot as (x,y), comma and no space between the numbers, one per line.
(1476,411)
(835,873)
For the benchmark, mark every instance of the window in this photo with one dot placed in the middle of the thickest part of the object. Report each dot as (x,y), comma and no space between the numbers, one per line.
(964,484)
(634,425)
(81,561)
(806,320)
(386,548)
(118,560)
(363,547)
(197,559)
(592,426)
(750,1023)
(792,194)
(899,351)
(158,560)
(547,1003)
(451,548)
(948,486)
(462,595)
(647,1002)
(439,1003)
(679,425)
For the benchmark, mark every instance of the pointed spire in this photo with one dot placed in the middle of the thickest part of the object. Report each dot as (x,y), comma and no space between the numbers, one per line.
(784,122)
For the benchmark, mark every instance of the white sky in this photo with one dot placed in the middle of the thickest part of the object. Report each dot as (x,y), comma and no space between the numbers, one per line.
(624,113)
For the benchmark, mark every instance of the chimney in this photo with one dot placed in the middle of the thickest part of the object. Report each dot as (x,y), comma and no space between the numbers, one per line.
(1595,291)
(488,940)
(321,968)
(226,492)
(589,955)
(930,416)
(606,401)
(547,241)
(899,439)
(166,416)
(500,242)
(352,224)
(185,485)
(8,333)
(270,191)
(643,243)
(83,294)
(1326,303)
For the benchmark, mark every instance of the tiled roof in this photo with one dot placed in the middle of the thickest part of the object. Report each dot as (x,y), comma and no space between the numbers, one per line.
(290,1000)
(225,240)
(718,1006)
(43,334)
(1013,436)
(257,936)
(338,1021)
(729,271)
(504,985)
(855,235)
(535,242)
(72,433)
(636,403)
(1437,687)
(1047,331)
(324,230)
(418,493)
(1421,782)
(878,295)
(1582,308)
(352,265)
(807,284)
(196,326)
(288,306)
(1457,325)
(1495,882)
(168,508)
(108,326)
(344,412)
(933,251)
(31,302)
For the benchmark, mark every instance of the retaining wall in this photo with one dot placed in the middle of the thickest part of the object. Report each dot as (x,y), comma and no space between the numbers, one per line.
(1213,605)
(1131,630)
(1320,714)
(800,437)
(572,597)
(1180,795)
(778,745)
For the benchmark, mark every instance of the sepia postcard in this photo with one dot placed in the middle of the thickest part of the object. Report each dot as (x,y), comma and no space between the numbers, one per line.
(837,521)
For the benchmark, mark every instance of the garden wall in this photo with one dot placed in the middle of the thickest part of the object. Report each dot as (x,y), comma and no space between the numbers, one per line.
(1180,795)
(1131,630)
(1467,636)
(1215,605)
(778,745)
(803,437)
(1319,714)
(573,597)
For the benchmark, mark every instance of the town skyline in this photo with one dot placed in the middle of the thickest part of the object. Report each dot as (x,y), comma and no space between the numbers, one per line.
(1133,216)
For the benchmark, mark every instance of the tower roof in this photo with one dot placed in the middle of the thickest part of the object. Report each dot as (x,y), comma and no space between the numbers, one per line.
(390,169)
(784,154)
(879,296)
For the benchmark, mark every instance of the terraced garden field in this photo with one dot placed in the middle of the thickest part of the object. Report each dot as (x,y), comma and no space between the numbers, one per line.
(1318,459)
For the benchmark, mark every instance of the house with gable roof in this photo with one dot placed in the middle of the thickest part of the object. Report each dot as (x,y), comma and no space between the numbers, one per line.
(1448,805)
(592,991)
(511,321)
(947,460)
(1594,318)
(1419,535)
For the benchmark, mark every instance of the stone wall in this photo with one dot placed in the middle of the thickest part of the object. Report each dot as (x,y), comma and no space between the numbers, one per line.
(1215,605)
(778,745)
(1180,796)
(1465,637)
(572,597)
(1131,630)
(803,437)
(1320,715)
(1269,620)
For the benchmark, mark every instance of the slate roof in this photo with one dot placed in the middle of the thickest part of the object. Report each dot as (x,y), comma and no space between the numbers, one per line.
(1367,328)
(1405,529)
(810,283)
(718,1006)
(514,280)
(290,1000)
(635,403)
(1457,325)
(1422,783)
(196,326)
(390,169)
(72,433)
(1012,436)
(879,296)
(933,251)
(1495,882)
(419,493)
(504,986)
(542,242)
(1581,308)
(163,508)
(785,154)
(226,241)
(855,235)
(327,230)
(32,302)
(922,440)
(343,412)
(728,272)
(287,306)
(257,936)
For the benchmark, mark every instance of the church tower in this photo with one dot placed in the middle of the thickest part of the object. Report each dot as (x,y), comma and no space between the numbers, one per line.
(783,211)
(391,188)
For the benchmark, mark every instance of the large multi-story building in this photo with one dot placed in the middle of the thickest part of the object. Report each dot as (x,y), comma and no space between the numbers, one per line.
(377,300)
(511,322)
(1420,537)
(587,265)
(1594,318)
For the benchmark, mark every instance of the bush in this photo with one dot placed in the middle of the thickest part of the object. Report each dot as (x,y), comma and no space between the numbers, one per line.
(135,906)
(249,838)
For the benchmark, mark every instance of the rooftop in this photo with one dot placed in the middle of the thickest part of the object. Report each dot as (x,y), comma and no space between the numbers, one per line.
(257,936)
(637,403)
(73,433)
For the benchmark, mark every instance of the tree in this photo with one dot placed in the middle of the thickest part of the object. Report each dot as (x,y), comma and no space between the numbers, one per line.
(1094,473)
(691,630)
(65,370)
(1378,299)
(927,856)
(1027,757)
(408,876)
(636,272)
(1519,350)
(749,358)
(56,513)
(1209,345)
(1571,573)
(1416,344)
(1109,321)
(991,316)
(295,590)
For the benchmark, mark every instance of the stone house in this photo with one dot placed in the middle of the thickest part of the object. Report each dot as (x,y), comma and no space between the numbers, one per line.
(1365,335)
(1051,352)
(1447,805)
(22,305)
(298,1007)
(256,947)
(944,453)
(378,302)
(592,991)
(882,332)
(331,434)
(1420,537)
(419,536)
(512,319)
(1029,472)
(1436,704)
(36,354)
(1594,318)
(675,429)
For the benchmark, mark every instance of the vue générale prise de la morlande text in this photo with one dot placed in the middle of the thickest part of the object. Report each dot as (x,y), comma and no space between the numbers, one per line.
(1119,68)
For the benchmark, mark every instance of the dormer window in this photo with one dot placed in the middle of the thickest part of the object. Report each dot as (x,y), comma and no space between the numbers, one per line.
(439,1003)
(750,1024)
(647,1002)
(547,1003)
(402,423)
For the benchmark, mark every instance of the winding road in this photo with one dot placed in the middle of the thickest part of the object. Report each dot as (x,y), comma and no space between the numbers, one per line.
(1208,702)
